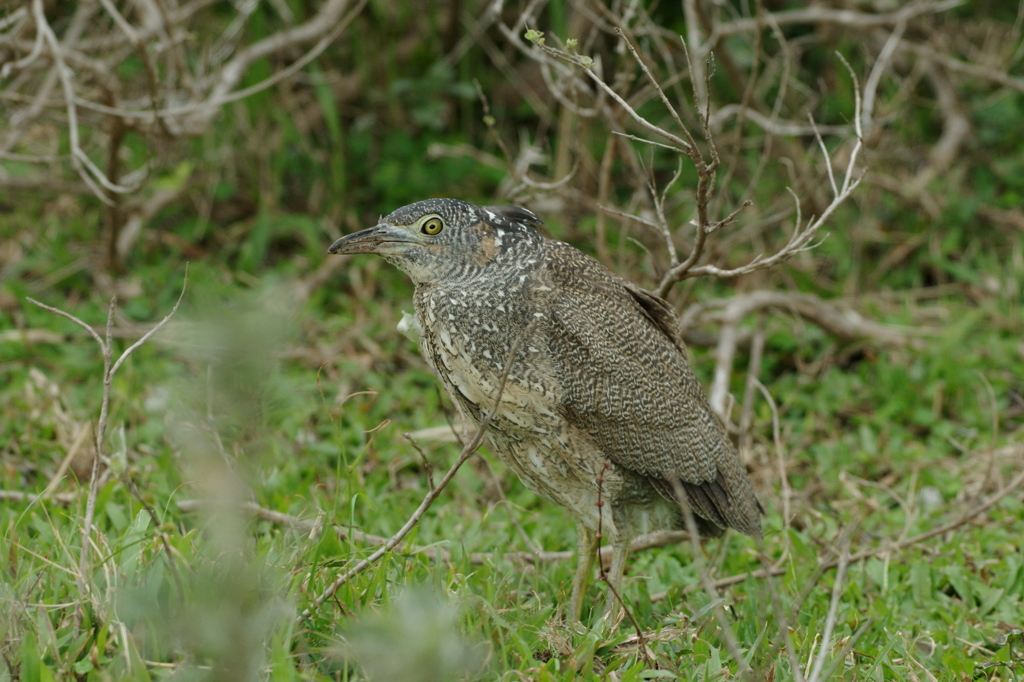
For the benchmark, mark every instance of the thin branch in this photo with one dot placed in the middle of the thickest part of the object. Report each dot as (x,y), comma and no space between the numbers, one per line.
(725,353)
(428,468)
(20,14)
(749,386)
(428,499)
(965,68)
(319,26)
(956,129)
(87,170)
(681,145)
(840,322)
(37,45)
(858,123)
(56,311)
(692,145)
(152,77)
(692,42)
(644,140)
(233,71)
(787,490)
(773,125)
(157,327)
(833,611)
(824,154)
(433,551)
(22,496)
(825,15)
(802,236)
(880,66)
(109,369)
(94,478)
(630,216)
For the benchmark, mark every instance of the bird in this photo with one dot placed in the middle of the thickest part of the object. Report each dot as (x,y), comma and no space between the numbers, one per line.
(600,411)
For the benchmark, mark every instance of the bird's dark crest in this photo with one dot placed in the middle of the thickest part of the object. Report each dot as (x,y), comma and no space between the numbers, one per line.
(515,214)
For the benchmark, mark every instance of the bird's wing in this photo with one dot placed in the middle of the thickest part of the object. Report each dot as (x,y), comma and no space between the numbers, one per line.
(627,383)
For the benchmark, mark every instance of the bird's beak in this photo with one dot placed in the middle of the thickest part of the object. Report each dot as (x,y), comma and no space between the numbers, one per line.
(383,238)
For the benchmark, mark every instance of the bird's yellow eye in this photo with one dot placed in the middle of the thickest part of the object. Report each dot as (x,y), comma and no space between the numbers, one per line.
(432,226)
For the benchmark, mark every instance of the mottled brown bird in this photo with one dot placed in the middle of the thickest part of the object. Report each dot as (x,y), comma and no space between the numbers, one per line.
(600,402)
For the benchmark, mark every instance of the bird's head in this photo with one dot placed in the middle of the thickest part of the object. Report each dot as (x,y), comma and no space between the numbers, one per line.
(443,239)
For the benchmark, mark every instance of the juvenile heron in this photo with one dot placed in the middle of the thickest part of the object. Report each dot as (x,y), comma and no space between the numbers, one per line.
(600,412)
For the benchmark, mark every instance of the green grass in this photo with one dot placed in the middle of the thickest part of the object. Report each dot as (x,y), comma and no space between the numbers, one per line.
(247,396)
(282,381)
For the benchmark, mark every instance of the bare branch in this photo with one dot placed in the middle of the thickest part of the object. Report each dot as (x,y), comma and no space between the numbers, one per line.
(92,332)
(691,43)
(22,496)
(801,238)
(87,170)
(824,154)
(682,145)
(37,45)
(833,611)
(645,141)
(725,353)
(657,87)
(109,369)
(880,66)
(535,556)
(826,15)
(965,68)
(157,327)
(837,321)
(18,15)
(429,498)
(76,68)
(327,25)
(629,216)
(955,131)
(773,125)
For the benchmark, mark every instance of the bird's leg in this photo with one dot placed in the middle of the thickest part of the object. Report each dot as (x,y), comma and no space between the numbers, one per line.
(586,548)
(620,550)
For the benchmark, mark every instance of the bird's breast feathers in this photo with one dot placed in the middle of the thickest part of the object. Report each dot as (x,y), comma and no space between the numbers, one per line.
(467,342)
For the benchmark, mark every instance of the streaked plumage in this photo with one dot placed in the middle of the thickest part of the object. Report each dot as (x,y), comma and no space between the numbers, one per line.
(600,374)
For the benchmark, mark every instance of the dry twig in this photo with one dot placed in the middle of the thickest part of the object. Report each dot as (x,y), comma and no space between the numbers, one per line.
(475,442)
(729,313)
(75,68)
(434,551)
(110,367)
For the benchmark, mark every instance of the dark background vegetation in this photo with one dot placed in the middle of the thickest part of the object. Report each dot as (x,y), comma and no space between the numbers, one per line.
(282,381)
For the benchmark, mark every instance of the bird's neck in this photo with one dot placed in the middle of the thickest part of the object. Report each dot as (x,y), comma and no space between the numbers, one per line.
(504,286)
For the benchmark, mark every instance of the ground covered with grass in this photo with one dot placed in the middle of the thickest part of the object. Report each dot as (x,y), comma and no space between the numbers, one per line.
(214,496)
(252,396)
